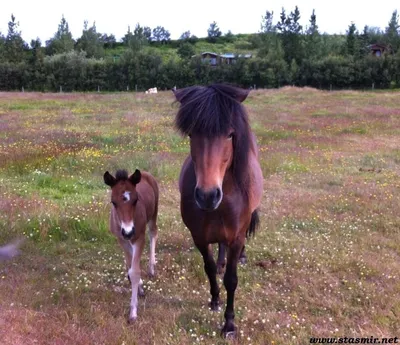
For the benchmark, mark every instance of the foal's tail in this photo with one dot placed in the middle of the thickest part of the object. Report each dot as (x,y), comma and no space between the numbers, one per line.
(254,223)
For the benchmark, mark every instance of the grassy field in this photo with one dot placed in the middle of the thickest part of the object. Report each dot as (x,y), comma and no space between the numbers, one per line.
(325,262)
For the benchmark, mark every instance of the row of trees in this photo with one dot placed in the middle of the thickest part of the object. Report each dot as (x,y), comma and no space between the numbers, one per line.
(284,53)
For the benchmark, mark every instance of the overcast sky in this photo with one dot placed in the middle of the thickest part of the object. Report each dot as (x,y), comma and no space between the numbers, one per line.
(40,18)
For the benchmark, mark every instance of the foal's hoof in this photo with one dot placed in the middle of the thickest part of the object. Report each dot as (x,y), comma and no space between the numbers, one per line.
(140,291)
(214,305)
(131,320)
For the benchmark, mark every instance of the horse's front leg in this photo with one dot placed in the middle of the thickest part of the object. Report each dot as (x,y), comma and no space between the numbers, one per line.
(230,282)
(221,262)
(134,275)
(211,270)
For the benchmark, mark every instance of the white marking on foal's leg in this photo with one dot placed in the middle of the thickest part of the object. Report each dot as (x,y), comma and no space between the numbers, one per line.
(153,240)
(140,289)
(134,274)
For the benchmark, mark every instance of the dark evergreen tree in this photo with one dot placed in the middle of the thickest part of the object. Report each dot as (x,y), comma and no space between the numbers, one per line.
(267,22)
(351,40)
(62,41)
(90,41)
(213,32)
(392,32)
(160,34)
(14,45)
(185,36)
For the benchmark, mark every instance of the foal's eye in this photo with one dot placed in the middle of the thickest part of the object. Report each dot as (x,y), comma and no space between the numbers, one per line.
(230,136)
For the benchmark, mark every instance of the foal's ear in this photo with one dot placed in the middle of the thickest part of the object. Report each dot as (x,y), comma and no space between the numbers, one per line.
(135,177)
(109,179)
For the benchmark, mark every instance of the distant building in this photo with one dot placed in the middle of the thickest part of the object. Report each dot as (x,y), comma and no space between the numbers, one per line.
(215,59)
(378,49)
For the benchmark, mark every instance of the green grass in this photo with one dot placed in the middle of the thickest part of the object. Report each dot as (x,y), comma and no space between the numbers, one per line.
(324,262)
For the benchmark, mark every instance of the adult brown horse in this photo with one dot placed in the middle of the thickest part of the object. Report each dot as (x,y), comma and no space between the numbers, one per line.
(135,204)
(221,182)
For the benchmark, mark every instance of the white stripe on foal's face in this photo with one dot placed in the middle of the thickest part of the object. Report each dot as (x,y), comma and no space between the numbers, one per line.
(127,196)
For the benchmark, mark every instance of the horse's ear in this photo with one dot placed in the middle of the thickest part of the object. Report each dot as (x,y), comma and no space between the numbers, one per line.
(178,93)
(135,177)
(242,95)
(109,179)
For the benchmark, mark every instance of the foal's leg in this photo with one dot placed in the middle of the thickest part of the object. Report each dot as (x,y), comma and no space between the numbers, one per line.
(127,248)
(221,262)
(134,274)
(211,269)
(230,282)
(153,235)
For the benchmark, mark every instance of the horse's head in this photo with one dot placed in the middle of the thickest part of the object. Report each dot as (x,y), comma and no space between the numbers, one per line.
(211,158)
(216,123)
(124,198)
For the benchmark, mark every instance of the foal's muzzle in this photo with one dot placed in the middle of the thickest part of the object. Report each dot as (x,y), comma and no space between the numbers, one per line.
(128,234)
(209,200)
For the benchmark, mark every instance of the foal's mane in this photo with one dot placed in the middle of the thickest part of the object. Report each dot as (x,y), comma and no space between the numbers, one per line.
(212,111)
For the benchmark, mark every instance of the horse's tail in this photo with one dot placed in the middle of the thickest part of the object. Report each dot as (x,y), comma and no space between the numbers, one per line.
(254,223)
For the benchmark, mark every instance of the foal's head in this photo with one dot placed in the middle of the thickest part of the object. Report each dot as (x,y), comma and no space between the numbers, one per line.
(124,198)
(217,125)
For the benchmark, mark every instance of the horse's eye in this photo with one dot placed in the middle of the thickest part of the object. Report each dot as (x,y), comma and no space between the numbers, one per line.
(114,203)
(230,136)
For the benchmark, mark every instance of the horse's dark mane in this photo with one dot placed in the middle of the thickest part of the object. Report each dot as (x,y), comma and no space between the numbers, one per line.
(121,175)
(212,111)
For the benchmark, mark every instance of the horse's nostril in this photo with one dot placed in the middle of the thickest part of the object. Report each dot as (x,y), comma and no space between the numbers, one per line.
(218,194)
(199,195)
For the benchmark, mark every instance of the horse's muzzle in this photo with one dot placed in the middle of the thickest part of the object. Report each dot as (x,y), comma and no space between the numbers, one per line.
(208,201)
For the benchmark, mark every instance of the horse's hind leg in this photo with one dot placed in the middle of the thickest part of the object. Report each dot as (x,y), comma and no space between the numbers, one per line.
(153,235)
(211,270)
(243,256)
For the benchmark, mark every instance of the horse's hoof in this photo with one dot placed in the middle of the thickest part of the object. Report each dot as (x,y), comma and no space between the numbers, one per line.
(243,260)
(214,305)
(229,332)
(229,335)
